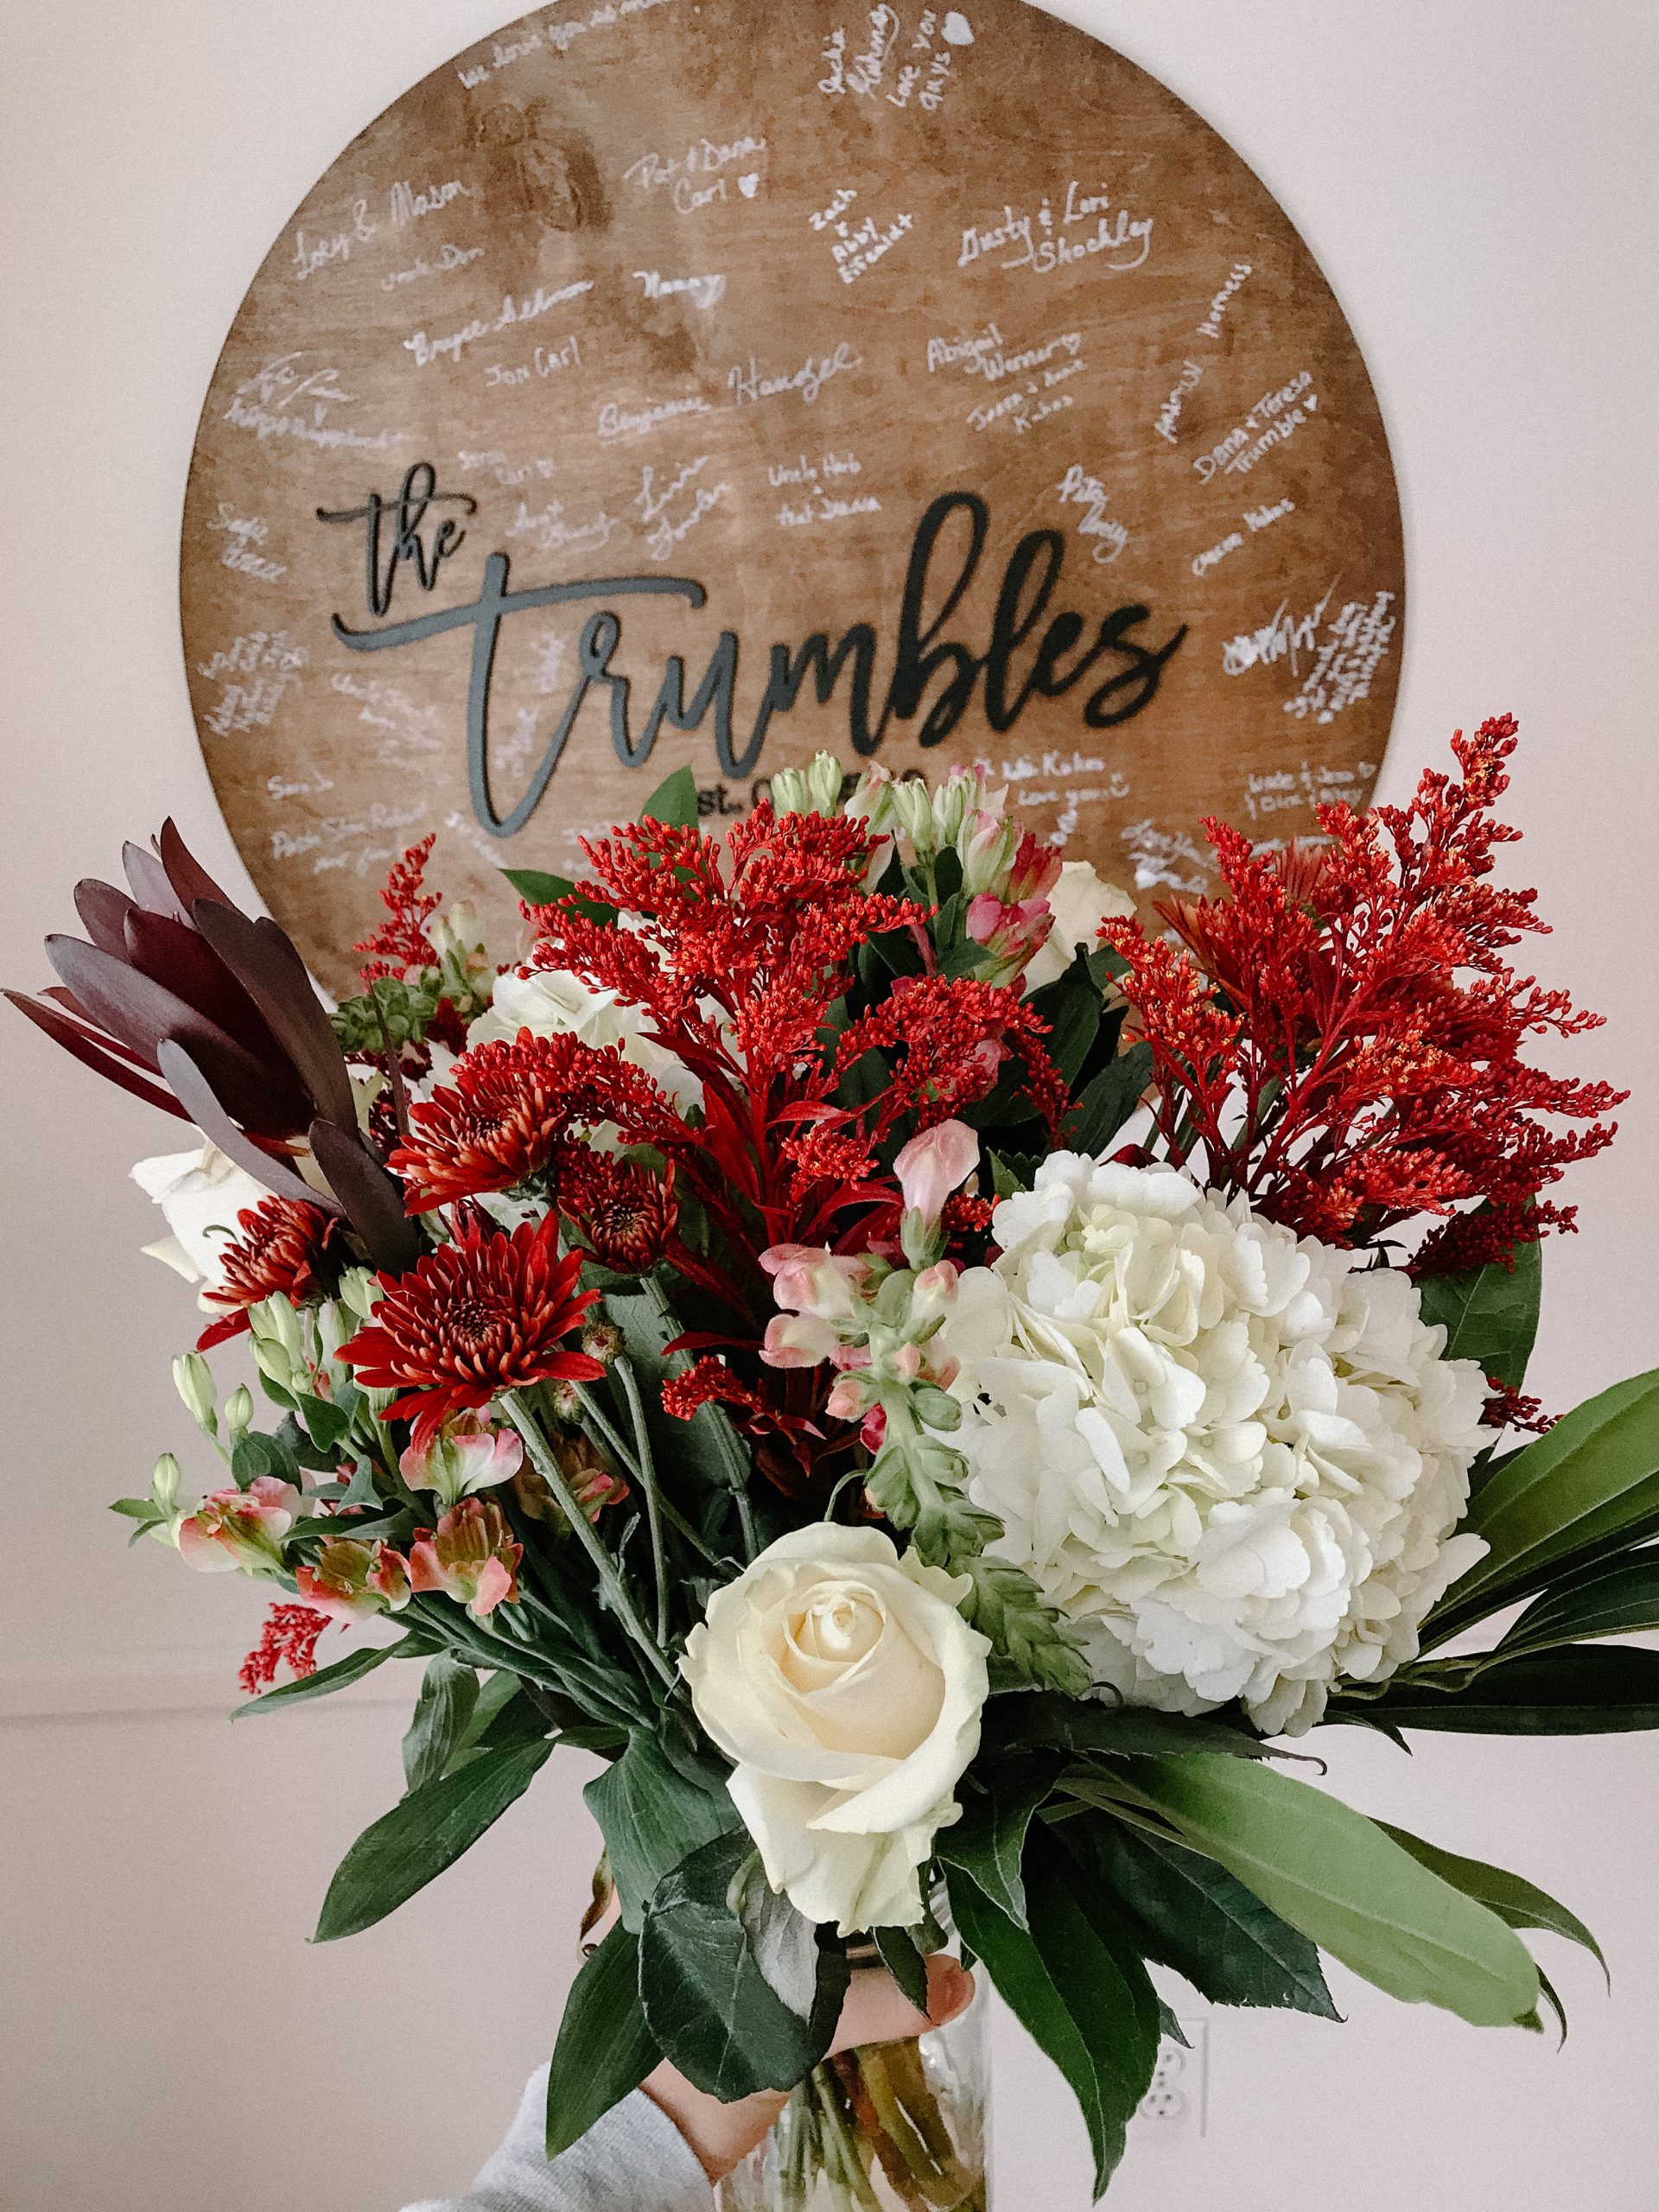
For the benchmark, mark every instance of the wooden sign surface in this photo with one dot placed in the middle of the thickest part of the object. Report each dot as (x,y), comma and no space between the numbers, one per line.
(666,382)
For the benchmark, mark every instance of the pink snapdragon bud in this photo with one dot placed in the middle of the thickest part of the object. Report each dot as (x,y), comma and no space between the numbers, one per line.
(932,1165)
(797,1340)
(933,1293)
(352,1581)
(874,1429)
(471,1557)
(846,1401)
(811,1279)
(238,1528)
(464,1456)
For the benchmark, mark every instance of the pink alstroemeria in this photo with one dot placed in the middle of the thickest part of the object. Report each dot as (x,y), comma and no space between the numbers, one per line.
(932,1165)
(352,1581)
(241,1528)
(1035,872)
(472,1557)
(464,1456)
(1012,934)
(811,1279)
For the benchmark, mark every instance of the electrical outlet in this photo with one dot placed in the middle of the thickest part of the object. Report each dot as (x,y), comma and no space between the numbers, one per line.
(1172,2110)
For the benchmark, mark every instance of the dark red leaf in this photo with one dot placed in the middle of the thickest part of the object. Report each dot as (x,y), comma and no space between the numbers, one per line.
(373,1200)
(93,1053)
(263,959)
(102,911)
(189,879)
(141,1011)
(174,955)
(150,885)
(196,1095)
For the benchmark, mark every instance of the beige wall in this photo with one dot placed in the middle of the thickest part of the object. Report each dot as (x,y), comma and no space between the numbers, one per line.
(1478,179)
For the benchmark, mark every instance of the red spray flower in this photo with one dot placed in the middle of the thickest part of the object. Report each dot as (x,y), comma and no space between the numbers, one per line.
(486,1313)
(280,1253)
(509,1108)
(400,946)
(289,1638)
(1342,1040)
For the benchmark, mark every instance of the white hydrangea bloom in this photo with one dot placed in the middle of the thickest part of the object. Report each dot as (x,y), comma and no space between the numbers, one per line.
(1232,1457)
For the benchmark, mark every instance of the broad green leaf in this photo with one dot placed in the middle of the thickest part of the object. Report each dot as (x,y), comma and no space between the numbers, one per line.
(989,1839)
(1517,1903)
(784,1940)
(1190,1914)
(449,1692)
(536,887)
(905,1962)
(254,1455)
(1332,1873)
(340,1675)
(1108,1100)
(1070,1006)
(605,2049)
(500,1693)
(422,1834)
(1585,1690)
(1076,1985)
(705,2001)
(673,801)
(326,1423)
(1591,1476)
(1489,1313)
(652,1817)
(1023,1721)
(1621,1600)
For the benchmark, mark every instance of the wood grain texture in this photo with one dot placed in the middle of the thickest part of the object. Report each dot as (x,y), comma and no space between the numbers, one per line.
(732,295)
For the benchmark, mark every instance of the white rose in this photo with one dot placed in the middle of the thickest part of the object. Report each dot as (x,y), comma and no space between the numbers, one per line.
(1079,902)
(555,1001)
(200,1193)
(842,1681)
(1233,1459)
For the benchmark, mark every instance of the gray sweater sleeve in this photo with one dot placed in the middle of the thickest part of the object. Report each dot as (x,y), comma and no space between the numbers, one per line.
(634,2160)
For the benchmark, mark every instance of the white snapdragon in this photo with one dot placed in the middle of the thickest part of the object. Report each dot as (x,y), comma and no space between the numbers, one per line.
(1232,1459)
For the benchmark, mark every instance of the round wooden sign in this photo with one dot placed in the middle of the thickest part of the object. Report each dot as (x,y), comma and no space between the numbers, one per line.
(666,382)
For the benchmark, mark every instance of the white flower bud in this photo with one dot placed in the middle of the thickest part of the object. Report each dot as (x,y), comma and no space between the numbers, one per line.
(164,1484)
(193,1380)
(358,1293)
(238,1411)
(912,805)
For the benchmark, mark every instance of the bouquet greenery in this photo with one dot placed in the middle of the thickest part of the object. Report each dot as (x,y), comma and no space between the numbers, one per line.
(932,1380)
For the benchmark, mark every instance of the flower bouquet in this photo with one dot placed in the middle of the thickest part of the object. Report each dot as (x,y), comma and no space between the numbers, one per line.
(928,1379)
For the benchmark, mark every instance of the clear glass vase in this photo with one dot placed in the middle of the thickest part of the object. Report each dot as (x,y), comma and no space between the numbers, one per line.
(889,2127)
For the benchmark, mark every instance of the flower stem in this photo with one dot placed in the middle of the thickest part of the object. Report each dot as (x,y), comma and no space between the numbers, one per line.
(610,1580)
(648,1482)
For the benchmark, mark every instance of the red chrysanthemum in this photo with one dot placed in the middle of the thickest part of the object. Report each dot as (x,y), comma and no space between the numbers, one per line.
(509,1108)
(486,1313)
(280,1253)
(288,1638)
(626,1214)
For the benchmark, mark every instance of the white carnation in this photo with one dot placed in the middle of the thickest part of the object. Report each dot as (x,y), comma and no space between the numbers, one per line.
(1232,1457)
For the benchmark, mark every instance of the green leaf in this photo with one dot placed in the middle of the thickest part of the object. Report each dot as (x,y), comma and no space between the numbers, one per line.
(1517,1903)
(138,1508)
(989,1841)
(423,1834)
(673,801)
(1591,1478)
(254,1455)
(1070,1006)
(1333,1874)
(905,1962)
(340,1675)
(536,887)
(705,2001)
(449,1692)
(652,1817)
(784,1940)
(1489,1313)
(500,1704)
(1076,1985)
(1190,1914)
(1585,1689)
(1621,1600)
(1075,1724)
(326,1423)
(605,2049)
(1108,1100)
